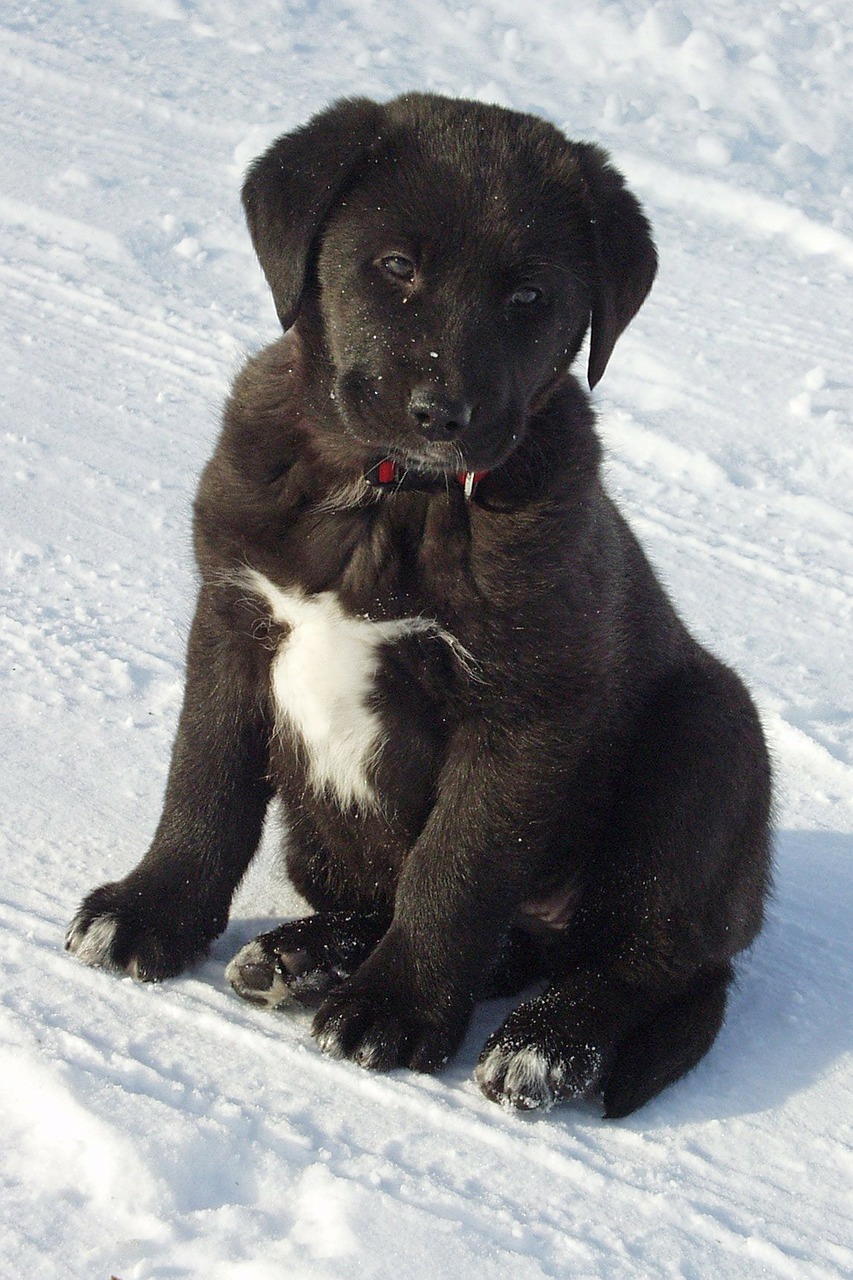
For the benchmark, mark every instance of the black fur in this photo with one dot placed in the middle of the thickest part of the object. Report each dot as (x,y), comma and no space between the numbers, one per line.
(572,758)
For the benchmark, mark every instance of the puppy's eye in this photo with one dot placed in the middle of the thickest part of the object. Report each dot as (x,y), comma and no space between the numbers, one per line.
(399,267)
(524,297)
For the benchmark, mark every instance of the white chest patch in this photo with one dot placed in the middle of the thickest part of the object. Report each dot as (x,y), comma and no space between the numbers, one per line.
(322,677)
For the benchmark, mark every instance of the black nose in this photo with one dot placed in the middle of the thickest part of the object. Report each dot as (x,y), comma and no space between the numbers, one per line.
(438,416)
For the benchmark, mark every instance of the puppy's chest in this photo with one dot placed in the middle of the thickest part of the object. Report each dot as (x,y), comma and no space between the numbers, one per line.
(328,675)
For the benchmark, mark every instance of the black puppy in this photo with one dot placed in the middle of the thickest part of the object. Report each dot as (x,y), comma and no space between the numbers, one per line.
(425,626)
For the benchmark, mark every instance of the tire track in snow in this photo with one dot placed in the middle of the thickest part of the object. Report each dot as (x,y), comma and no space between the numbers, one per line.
(60,230)
(758,215)
(166,345)
(810,577)
(76,92)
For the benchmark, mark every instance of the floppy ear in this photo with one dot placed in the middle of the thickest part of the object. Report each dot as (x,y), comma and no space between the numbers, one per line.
(626,258)
(290,189)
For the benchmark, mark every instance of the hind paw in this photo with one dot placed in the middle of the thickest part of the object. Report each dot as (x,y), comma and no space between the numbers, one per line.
(528,1065)
(301,961)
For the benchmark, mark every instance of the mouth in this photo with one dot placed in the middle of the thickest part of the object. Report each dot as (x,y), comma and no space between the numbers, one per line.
(384,439)
(477,448)
(393,475)
(443,458)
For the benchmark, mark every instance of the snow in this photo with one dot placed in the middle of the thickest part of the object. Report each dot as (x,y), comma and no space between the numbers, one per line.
(151,1133)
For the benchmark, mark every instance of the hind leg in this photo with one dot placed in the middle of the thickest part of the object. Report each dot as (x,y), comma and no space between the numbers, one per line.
(560,1044)
(591,1034)
(666,1044)
(675,893)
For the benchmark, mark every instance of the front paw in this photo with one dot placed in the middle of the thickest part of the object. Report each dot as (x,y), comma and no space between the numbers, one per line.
(134,928)
(380,1020)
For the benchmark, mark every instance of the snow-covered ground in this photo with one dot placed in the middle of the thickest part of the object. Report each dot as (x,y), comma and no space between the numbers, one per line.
(173,1131)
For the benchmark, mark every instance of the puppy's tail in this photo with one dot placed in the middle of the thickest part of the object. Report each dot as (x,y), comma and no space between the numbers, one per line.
(667,1043)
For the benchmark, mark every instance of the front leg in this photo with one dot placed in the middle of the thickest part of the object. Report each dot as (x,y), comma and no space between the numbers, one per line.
(391,1014)
(161,917)
(409,1002)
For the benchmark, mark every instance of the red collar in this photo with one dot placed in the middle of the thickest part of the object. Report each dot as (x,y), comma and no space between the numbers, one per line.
(388,474)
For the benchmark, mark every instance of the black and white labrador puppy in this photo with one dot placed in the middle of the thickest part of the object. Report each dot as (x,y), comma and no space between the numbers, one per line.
(424,625)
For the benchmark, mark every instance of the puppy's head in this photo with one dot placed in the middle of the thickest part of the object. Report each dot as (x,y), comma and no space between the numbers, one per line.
(456,254)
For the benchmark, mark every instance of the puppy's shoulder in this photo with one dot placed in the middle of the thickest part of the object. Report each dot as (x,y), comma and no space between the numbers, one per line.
(260,440)
(270,388)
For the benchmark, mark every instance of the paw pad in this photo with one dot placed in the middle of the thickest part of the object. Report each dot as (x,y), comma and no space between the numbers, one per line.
(254,975)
